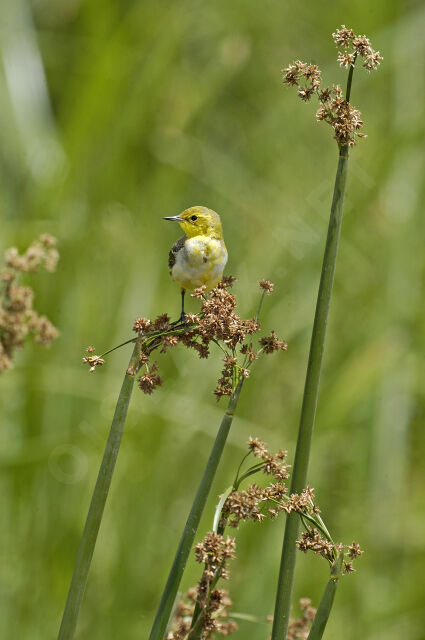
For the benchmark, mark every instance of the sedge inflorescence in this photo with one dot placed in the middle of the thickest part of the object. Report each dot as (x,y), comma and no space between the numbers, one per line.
(18,318)
(217,323)
(205,609)
(299,628)
(335,108)
(352,45)
(216,622)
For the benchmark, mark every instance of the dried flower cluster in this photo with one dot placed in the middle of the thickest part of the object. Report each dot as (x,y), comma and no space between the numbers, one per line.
(266,286)
(341,115)
(299,628)
(92,360)
(200,613)
(257,503)
(353,46)
(215,622)
(216,323)
(213,552)
(18,318)
(205,606)
(314,540)
(334,108)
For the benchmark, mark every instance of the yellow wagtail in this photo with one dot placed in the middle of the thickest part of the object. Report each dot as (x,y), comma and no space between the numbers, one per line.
(199,257)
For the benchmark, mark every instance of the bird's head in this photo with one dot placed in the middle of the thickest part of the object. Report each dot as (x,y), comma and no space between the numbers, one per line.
(199,221)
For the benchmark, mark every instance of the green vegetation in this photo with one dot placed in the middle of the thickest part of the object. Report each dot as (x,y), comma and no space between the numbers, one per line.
(155,107)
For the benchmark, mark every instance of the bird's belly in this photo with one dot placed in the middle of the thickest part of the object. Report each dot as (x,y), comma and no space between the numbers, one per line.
(200,262)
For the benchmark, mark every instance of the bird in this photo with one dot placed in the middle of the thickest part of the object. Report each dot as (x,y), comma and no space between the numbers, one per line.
(197,258)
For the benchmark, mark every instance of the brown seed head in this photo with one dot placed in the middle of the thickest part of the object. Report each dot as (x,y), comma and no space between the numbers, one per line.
(344,37)
(266,286)
(149,381)
(271,343)
(141,325)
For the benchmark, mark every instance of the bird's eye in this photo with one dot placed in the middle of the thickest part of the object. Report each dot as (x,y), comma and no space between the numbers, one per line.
(193,218)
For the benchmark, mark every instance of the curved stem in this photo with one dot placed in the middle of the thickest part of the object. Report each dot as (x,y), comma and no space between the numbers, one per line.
(97,505)
(240,467)
(253,470)
(117,347)
(186,541)
(326,601)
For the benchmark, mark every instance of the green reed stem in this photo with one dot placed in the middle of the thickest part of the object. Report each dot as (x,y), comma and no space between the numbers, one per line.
(308,411)
(324,609)
(97,505)
(186,541)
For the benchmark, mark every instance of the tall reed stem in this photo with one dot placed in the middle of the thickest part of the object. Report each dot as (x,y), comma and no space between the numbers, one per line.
(170,590)
(308,411)
(97,505)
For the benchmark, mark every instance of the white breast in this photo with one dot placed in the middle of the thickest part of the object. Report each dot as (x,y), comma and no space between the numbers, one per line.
(200,262)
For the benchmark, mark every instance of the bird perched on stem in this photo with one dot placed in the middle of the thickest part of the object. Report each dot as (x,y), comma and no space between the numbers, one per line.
(198,258)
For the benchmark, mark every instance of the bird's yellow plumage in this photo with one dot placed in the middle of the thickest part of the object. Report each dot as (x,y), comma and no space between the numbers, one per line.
(199,257)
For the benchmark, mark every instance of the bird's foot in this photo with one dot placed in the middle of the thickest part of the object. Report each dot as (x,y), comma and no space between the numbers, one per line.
(181,320)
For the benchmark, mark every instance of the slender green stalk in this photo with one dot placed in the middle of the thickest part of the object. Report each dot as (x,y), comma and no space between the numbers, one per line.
(324,609)
(97,505)
(311,389)
(188,536)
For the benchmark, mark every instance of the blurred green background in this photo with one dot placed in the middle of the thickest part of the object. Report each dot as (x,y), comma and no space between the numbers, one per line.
(114,114)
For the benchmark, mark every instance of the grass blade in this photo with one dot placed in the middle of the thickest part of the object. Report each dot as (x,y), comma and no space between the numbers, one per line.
(97,505)
(326,601)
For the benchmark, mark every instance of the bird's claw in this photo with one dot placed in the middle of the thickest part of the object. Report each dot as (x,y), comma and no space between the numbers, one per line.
(181,320)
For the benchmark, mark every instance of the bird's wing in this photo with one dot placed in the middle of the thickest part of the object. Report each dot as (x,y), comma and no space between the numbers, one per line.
(177,246)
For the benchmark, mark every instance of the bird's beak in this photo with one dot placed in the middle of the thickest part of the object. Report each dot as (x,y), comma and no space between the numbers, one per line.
(174,218)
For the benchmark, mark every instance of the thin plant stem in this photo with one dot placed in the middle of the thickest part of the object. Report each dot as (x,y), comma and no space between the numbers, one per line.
(117,347)
(350,79)
(240,467)
(260,304)
(97,505)
(311,390)
(326,601)
(186,541)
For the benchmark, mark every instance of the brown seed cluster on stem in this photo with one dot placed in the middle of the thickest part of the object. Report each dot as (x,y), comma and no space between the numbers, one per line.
(257,503)
(312,540)
(341,115)
(211,604)
(334,108)
(215,622)
(197,615)
(217,323)
(18,318)
(267,286)
(353,46)
(299,628)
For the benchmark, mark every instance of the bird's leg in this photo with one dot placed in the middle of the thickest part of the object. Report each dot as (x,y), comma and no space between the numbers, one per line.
(182,314)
